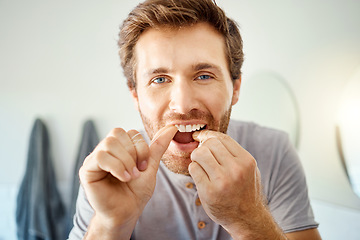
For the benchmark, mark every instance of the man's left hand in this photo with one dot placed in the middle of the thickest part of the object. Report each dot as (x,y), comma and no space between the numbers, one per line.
(227,180)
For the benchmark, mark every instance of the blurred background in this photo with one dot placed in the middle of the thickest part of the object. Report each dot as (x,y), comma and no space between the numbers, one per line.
(59,62)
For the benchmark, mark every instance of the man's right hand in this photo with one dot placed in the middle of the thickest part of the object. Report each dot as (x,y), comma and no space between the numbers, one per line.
(119,178)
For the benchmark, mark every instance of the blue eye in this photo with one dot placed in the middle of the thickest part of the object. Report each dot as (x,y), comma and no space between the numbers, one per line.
(159,80)
(204,77)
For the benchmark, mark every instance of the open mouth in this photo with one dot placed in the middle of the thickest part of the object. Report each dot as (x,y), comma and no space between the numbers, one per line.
(184,134)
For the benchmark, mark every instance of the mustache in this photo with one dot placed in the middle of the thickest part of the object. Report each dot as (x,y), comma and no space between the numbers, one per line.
(193,114)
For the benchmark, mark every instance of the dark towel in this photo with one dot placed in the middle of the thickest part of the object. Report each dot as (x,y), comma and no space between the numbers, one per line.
(39,212)
(88,142)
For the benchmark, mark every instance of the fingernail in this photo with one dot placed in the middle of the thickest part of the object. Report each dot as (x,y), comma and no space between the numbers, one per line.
(136,172)
(143,165)
(127,176)
(195,134)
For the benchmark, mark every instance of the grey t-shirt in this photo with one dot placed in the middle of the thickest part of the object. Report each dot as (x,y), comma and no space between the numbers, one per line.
(175,212)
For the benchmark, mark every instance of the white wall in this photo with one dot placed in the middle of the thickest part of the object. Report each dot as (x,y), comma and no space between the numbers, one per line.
(314,45)
(58,61)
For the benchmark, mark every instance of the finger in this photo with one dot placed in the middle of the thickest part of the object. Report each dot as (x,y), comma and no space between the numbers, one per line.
(125,141)
(230,144)
(112,146)
(203,135)
(159,144)
(220,153)
(141,148)
(198,174)
(204,157)
(99,164)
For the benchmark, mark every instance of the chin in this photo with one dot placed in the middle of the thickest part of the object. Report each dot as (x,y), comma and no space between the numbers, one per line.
(177,163)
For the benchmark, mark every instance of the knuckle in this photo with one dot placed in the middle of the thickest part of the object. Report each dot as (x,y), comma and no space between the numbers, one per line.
(225,137)
(210,141)
(88,157)
(238,173)
(100,155)
(117,131)
(138,143)
(251,163)
(223,184)
(199,152)
(110,142)
(131,150)
(81,172)
(132,132)
(203,150)
(193,168)
(196,152)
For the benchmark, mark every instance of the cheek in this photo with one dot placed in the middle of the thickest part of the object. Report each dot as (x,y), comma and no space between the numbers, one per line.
(151,104)
(218,102)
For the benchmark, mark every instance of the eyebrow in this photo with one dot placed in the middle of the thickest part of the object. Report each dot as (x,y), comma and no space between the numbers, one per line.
(203,66)
(195,67)
(158,71)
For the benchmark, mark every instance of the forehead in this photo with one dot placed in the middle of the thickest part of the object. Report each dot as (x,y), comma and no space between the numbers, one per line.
(180,48)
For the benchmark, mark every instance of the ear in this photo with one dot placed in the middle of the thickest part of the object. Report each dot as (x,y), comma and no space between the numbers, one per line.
(236,91)
(135,98)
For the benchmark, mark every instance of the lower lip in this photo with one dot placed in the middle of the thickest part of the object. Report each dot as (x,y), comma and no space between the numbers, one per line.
(184,147)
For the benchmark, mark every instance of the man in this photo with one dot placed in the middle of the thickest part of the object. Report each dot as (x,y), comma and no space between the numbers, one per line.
(182,60)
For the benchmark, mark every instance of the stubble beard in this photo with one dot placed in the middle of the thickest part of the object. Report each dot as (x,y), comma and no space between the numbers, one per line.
(178,162)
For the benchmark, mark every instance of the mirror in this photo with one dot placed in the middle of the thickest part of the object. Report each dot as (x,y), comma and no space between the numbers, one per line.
(267,99)
(348,130)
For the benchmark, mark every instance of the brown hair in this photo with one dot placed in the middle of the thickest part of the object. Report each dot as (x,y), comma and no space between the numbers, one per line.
(177,13)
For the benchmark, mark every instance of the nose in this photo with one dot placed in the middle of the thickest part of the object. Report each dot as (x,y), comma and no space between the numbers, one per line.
(183,97)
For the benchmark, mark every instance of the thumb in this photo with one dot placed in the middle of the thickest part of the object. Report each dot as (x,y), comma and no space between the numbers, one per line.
(159,144)
(203,135)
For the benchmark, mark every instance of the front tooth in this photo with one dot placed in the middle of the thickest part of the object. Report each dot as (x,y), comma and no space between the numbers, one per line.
(181,128)
(188,128)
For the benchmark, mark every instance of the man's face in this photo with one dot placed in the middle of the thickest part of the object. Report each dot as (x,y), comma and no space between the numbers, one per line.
(182,78)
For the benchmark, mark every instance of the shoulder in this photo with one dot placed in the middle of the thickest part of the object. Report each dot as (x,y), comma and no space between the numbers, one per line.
(254,137)
(272,149)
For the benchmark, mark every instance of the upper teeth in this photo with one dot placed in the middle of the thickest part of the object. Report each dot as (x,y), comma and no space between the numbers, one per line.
(189,128)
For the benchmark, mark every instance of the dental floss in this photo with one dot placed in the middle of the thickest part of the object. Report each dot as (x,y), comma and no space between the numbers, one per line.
(135,135)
